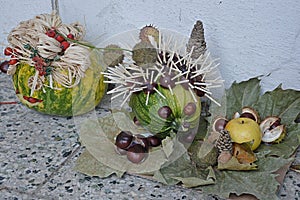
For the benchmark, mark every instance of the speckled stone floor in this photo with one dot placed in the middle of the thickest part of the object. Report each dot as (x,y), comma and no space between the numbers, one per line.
(38,154)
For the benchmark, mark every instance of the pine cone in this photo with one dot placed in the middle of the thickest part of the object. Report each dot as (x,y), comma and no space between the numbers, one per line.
(224,142)
(197,40)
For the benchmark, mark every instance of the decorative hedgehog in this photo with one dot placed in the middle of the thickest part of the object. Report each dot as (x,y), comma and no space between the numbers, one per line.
(162,81)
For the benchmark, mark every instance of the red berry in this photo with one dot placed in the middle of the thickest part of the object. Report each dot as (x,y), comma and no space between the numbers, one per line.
(70,36)
(33,100)
(26,98)
(60,38)
(51,33)
(42,73)
(65,45)
(8,51)
(13,60)
(17,50)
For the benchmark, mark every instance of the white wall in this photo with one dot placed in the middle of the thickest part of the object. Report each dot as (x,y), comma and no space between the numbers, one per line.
(251,37)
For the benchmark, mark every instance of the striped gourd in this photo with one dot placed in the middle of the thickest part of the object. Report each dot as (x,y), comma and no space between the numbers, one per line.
(147,113)
(61,101)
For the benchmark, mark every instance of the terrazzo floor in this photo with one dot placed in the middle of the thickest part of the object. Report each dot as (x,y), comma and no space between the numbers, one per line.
(38,154)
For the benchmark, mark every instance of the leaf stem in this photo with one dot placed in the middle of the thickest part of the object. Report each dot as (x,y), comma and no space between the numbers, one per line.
(91,46)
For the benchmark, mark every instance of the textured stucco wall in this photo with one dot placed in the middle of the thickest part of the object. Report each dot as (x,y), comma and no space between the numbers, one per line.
(251,37)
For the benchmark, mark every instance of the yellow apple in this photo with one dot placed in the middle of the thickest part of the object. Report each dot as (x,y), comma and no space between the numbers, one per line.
(244,130)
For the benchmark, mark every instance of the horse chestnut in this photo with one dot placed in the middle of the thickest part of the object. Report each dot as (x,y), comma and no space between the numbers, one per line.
(124,139)
(219,124)
(190,109)
(154,141)
(166,81)
(165,112)
(136,153)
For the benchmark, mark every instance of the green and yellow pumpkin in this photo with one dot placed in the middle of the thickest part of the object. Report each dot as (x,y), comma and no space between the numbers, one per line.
(176,112)
(61,101)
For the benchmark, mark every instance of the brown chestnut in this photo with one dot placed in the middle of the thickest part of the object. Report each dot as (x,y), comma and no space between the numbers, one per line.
(136,121)
(189,138)
(121,151)
(275,124)
(124,139)
(190,109)
(166,81)
(142,140)
(154,141)
(164,112)
(219,124)
(199,93)
(136,153)
(248,115)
